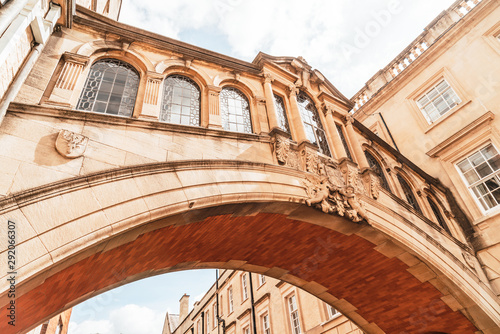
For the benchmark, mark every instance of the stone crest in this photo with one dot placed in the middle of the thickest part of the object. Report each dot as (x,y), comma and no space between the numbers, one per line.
(326,195)
(285,154)
(71,145)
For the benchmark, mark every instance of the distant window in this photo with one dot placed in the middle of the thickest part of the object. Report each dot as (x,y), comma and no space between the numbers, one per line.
(215,315)
(265,324)
(375,166)
(244,286)
(294,315)
(279,105)
(181,101)
(410,198)
(59,329)
(482,175)
(438,101)
(111,88)
(343,140)
(437,214)
(198,327)
(312,123)
(221,304)
(230,299)
(332,312)
(262,279)
(246,330)
(235,111)
(207,314)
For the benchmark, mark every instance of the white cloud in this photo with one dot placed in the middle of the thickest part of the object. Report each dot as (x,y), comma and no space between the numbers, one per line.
(316,30)
(129,319)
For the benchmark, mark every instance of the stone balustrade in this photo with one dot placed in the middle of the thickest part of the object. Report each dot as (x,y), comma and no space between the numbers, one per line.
(431,33)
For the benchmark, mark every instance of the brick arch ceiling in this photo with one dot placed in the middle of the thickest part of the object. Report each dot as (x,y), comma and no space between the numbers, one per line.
(384,293)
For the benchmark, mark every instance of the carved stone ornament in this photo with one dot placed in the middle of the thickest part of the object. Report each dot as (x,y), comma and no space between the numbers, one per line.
(324,195)
(309,160)
(353,178)
(372,181)
(71,145)
(469,260)
(284,152)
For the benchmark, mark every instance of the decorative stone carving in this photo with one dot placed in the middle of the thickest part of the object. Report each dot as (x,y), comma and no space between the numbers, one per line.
(372,182)
(309,159)
(324,195)
(469,260)
(70,144)
(284,152)
(294,90)
(268,78)
(352,176)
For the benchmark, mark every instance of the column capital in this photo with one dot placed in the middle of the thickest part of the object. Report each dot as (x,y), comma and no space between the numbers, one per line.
(214,89)
(75,58)
(267,77)
(154,76)
(349,120)
(327,109)
(293,90)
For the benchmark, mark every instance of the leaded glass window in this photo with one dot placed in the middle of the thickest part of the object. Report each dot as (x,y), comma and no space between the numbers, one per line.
(312,123)
(235,110)
(481,171)
(375,166)
(111,88)
(279,105)
(438,215)
(343,140)
(410,198)
(181,101)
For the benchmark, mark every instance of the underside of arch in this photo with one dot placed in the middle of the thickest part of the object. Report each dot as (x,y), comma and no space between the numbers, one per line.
(347,271)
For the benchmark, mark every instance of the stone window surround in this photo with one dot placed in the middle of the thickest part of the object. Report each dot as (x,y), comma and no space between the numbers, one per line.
(430,83)
(495,209)
(141,105)
(492,37)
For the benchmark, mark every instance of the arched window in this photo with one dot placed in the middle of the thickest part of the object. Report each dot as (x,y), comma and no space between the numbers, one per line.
(437,214)
(410,198)
(312,123)
(235,110)
(181,101)
(375,166)
(279,105)
(111,88)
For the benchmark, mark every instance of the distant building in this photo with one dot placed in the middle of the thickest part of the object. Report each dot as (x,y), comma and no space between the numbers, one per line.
(56,325)
(278,308)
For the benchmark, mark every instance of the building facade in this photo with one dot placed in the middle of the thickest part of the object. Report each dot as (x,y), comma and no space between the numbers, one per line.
(278,307)
(126,154)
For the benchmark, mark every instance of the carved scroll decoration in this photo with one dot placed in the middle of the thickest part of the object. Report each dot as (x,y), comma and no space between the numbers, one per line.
(71,145)
(328,197)
(284,153)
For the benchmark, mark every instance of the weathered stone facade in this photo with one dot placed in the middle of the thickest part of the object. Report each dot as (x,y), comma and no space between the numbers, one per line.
(107,192)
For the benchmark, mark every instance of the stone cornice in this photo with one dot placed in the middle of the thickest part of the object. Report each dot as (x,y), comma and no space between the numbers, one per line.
(486,117)
(85,116)
(87,18)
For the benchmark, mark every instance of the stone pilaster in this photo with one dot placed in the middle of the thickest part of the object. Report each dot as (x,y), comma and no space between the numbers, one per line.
(73,65)
(268,93)
(356,147)
(296,120)
(152,103)
(214,117)
(332,133)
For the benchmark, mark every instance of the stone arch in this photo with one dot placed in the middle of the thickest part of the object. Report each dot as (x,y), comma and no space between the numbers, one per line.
(178,66)
(382,161)
(91,49)
(182,207)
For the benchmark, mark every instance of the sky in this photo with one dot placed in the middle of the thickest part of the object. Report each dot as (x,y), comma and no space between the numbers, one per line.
(347,40)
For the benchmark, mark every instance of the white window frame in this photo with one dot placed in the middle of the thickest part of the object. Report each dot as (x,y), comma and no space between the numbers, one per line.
(454,96)
(481,180)
(294,314)
(246,330)
(230,299)
(244,286)
(198,328)
(266,324)
(332,312)
(207,315)
(215,315)
(262,280)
